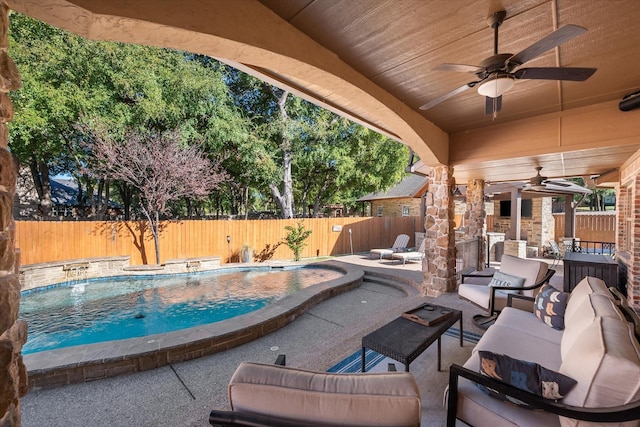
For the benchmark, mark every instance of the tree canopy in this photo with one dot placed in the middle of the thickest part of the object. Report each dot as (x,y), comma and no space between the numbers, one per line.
(281,153)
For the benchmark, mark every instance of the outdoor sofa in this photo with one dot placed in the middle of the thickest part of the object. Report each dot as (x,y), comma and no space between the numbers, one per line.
(273,395)
(588,337)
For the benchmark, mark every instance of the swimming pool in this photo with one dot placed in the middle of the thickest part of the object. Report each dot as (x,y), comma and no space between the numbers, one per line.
(108,309)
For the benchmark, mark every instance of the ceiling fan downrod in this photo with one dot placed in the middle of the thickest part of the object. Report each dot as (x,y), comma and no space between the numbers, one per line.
(494,22)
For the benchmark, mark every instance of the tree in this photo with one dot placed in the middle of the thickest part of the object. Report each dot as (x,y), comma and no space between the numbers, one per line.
(127,86)
(158,165)
(341,161)
(48,102)
(299,151)
(283,193)
(596,200)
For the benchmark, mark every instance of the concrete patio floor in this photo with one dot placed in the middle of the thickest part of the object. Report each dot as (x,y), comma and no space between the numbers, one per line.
(183,394)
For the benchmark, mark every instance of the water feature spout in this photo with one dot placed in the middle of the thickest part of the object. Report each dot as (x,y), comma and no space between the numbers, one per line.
(76,271)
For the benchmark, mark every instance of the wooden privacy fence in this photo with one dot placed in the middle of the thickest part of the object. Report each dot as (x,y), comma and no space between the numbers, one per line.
(590,226)
(45,241)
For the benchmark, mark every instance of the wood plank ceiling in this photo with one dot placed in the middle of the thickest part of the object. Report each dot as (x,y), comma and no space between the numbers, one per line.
(397,44)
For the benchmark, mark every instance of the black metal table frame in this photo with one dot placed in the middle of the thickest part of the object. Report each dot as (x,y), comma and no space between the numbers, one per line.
(393,331)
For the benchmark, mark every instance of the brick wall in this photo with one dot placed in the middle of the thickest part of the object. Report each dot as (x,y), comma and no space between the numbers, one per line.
(628,233)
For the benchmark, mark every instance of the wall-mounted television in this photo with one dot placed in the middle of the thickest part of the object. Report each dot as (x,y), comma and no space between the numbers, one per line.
(526,208)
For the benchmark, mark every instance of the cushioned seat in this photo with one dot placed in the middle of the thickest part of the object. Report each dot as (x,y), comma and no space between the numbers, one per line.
(287,396)
(597,352)
(483,291)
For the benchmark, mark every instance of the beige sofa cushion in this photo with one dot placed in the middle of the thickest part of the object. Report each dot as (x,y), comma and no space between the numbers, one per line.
(478,409)
(593,306)
(477,290)
(605,360)
(373,399)
(583,289)
(532,271)
(526,324)
(509,341)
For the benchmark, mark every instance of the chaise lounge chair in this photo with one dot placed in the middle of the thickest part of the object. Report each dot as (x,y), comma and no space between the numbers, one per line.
(401,243)
(411,255)
(555,253)
(272,395)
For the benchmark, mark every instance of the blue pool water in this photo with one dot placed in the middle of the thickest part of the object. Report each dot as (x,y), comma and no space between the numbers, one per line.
(100,310)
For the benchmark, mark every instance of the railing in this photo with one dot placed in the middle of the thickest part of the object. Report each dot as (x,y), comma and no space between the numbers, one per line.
(589,247)
(468,255)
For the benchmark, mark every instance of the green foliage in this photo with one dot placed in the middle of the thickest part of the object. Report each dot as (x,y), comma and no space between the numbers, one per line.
(334,161)
(234,117)
(127,87)
(295,238)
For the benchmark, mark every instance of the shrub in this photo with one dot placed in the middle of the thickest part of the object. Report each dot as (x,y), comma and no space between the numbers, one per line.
(295,238)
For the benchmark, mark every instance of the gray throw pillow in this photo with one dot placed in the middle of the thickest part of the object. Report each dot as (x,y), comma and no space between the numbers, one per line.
(504,280)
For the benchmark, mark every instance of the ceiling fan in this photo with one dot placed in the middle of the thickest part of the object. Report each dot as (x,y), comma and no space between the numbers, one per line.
(497,73)
(541,183)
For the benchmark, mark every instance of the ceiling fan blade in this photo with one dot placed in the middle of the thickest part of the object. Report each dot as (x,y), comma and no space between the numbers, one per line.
(555,73)
(558,183)
(492,105)
(554,39)
(447,96)
(460,68)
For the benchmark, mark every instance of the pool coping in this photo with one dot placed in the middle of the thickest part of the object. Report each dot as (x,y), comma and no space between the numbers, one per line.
(53,368)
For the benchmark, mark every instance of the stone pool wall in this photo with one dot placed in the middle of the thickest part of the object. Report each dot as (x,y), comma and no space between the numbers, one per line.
(51,273)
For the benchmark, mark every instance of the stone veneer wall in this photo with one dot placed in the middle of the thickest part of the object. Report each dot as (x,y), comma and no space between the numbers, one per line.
(393,207)
(475,214)
(13,332)
(438,267)
(538,229)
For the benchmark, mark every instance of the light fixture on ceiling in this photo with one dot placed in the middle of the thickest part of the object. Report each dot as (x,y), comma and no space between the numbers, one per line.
(496,86)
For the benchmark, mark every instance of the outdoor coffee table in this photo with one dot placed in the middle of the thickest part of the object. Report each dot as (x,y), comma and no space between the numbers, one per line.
(404,340)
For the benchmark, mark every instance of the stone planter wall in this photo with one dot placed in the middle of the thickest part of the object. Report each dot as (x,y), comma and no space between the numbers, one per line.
(51,273)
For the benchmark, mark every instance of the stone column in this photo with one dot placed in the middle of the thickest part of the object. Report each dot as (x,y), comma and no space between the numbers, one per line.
(13,333)
(474,216)
(438,266)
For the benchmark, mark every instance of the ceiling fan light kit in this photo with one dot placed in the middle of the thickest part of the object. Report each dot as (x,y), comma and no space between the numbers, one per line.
(496,86)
